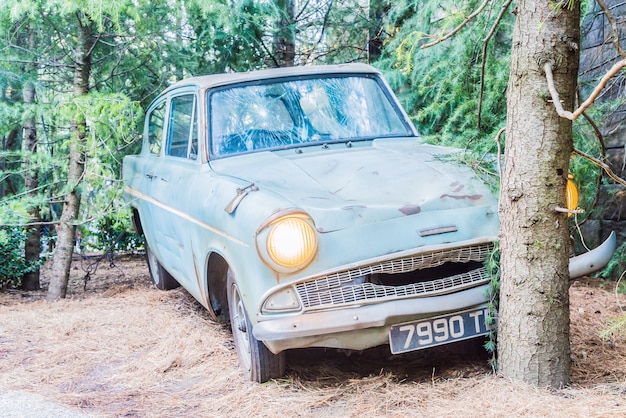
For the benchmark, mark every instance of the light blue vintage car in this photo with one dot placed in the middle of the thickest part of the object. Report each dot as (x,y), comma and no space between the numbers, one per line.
(301,205)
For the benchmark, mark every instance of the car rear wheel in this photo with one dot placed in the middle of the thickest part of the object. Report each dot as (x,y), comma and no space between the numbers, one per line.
(258,363)
(160,277)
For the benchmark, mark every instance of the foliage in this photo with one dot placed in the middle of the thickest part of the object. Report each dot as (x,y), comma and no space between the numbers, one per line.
(223,39)
(589,177)
(146,45)
(115,233)
(440,87)
(615,328)
(492,270)
(12,263)
(240,35)
(10,115)
(100,11)
(443,82)
(142,46)
(112,121)
(617,265)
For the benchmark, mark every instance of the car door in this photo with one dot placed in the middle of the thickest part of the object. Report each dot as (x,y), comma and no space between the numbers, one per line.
(142,171)
(170,164)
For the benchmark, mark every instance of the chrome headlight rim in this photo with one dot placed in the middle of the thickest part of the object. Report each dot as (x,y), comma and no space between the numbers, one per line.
(269,233)
(285,300)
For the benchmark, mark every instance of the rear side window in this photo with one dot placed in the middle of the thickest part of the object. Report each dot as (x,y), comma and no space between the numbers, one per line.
(156,121)
(182,129)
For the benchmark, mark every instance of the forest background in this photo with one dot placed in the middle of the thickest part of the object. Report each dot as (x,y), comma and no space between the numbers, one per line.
(76,75)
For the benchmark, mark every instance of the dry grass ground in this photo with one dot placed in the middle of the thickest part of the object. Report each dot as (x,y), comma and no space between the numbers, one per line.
(122,348)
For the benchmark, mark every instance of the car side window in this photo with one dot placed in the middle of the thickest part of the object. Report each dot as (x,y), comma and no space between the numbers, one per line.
(182,138)
(156,121)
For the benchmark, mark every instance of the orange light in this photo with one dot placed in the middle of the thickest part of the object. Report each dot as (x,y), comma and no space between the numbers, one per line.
(572,194)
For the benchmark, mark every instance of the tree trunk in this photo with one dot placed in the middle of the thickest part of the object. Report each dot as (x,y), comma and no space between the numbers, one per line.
(32,250)
(9,143)
(285,38)
(71,205)
(377,11)
(533,329)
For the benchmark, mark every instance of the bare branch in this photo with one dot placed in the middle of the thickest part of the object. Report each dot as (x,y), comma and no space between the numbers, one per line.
(597,133)
(572,211)
(35,63)
(613,25)
(497,139)
(326,16)
(27,224)
(484,58)
(603,166)
(594,94)
(458,28)
(600,138)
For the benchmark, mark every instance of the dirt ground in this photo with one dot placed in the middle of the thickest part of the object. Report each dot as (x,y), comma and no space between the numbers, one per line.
(119,347)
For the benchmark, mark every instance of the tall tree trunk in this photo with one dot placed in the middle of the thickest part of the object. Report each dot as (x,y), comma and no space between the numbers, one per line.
(71,205)
(533,330)
(377,11)
(9,143)
(32,250)
(285,38)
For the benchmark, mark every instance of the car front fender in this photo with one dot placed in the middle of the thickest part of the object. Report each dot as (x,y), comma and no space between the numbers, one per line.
(593,260)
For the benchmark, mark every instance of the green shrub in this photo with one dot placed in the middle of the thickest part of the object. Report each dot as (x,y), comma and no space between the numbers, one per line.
(12,263)
(116,234)
(617,265)
(492,268)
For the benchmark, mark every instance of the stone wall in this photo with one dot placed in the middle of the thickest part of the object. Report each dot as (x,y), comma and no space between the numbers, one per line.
(598,54)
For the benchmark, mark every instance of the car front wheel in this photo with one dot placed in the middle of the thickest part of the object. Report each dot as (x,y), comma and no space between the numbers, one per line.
(258,363)
(160,277)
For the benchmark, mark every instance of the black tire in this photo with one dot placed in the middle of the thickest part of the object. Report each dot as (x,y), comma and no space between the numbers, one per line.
(258,363)
(160,277)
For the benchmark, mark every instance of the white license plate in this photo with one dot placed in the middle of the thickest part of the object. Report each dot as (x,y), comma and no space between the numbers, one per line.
(445,329)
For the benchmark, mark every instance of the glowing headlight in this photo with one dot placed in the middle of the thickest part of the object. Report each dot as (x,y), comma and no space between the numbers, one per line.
(291,242)
(572,193)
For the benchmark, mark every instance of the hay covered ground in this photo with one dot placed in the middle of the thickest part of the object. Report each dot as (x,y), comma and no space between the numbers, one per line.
(119,347)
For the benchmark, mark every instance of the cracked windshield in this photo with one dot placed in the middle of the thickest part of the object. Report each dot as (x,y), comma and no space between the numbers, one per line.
(301,112)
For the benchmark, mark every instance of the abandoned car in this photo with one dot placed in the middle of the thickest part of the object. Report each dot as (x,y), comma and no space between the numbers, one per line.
(300,205)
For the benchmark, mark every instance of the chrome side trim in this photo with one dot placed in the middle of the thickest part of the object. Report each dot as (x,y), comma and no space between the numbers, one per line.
(143,196)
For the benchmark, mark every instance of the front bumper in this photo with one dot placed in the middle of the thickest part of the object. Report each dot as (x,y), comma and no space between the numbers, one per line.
(361,327)
(365,326)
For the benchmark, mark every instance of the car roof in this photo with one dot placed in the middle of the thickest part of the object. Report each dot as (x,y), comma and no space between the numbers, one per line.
(216,80)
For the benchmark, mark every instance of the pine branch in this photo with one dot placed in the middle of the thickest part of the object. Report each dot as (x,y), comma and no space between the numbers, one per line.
(600,138)
(458,28)
(481,91)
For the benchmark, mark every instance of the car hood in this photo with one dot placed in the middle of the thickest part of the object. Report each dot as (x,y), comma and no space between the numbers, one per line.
(371,182)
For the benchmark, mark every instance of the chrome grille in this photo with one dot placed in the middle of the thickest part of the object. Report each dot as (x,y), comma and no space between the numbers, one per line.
(339,288)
